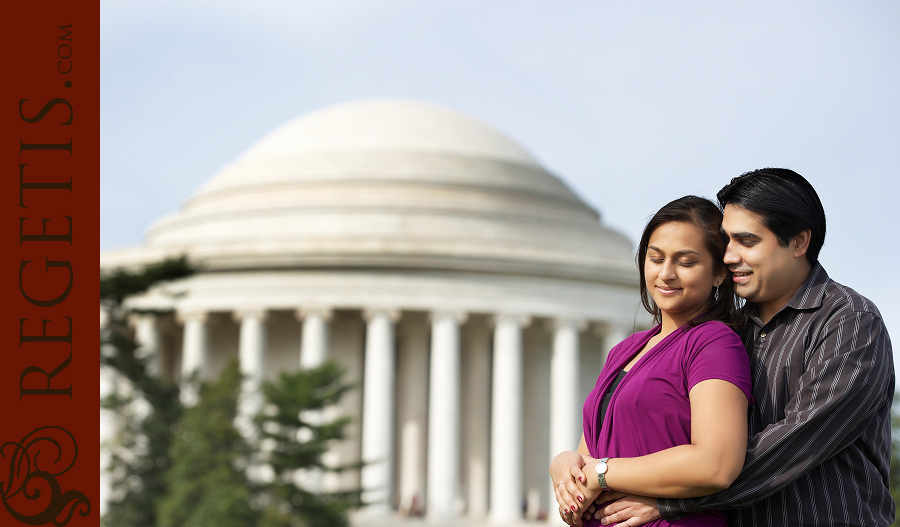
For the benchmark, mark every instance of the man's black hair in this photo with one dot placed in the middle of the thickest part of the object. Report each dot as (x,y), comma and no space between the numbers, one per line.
(786,202)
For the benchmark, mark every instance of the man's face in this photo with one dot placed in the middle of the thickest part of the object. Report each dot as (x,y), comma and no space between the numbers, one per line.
(763,271)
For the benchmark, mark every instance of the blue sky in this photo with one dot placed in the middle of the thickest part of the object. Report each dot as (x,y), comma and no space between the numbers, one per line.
(632,104)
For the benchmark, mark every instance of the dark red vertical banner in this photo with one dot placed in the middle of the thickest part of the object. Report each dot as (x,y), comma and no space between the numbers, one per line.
(49,273)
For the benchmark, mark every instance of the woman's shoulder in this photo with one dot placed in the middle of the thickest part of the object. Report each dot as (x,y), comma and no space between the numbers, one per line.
(715,351)
(713,332)
(713,328)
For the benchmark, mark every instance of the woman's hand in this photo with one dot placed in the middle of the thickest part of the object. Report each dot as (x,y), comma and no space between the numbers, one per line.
(577,516)
(588,489)
(588,481)
(571,517)
(565,469)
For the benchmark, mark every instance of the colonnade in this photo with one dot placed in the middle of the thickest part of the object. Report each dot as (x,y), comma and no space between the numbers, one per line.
(444,398)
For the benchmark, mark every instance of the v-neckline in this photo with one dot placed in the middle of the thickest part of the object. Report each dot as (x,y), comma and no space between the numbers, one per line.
(643,353)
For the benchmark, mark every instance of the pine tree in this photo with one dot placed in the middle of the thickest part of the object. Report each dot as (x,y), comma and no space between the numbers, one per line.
(177,467)
(207,483)
(296,425)
(894,480)
(145,405)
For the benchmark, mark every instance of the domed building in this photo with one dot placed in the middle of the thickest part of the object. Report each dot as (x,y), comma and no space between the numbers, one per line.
(470,294)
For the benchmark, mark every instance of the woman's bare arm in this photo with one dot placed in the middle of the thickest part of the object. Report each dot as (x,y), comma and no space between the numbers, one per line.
(708,464)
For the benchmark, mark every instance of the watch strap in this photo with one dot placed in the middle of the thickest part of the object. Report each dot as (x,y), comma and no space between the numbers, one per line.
(601,476)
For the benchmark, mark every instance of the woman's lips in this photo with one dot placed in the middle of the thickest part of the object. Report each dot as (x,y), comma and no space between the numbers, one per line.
(667,291)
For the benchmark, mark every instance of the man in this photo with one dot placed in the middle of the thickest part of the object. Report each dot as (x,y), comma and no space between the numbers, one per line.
(823,376)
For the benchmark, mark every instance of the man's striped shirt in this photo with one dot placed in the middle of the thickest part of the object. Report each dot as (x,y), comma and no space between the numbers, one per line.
(820,424)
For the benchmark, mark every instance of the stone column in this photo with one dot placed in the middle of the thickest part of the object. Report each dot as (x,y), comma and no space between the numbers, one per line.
(378,412)
(413,345)
(194,351)
(146,335)
(252,357)
(443,416)
(476,417)
(313,352)
(314,338)
(506,419)
(612,335)
(565,400)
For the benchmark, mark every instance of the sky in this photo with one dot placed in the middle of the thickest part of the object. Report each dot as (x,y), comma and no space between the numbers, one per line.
(630,103)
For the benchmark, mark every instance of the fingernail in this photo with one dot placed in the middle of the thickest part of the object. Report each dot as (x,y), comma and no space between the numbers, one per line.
(566,511)
(579,498)
(581,479)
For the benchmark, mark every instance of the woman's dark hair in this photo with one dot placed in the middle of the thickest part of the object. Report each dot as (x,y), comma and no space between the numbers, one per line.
(703,214)
(786,202)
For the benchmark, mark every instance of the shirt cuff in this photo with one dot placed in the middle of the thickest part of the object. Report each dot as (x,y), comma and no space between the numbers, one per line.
(669,509)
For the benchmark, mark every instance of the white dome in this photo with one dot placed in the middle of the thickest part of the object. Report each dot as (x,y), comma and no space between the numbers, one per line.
(395,125)
(391,184)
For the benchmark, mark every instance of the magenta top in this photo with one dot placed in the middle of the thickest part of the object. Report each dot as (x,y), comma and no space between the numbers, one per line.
(651,410)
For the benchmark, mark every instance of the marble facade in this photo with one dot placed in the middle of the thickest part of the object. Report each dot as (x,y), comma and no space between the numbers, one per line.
(470,294)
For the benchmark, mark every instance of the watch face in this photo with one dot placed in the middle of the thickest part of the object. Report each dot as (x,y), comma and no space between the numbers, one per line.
(600,467)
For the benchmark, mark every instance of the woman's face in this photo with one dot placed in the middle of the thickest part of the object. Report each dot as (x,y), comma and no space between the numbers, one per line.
(679,271)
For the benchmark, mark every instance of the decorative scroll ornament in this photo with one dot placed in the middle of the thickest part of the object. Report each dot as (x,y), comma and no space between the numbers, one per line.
(32,494)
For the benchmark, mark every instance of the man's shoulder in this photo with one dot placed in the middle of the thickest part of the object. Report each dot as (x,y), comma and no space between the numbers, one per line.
(843,309)
(839,298)
(824,306)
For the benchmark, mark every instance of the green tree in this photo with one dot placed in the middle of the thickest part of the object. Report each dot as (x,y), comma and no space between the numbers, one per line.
(177,467)
(145,405)
(296,425)
(207,482)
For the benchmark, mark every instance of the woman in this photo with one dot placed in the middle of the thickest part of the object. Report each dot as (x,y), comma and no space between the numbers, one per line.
(668,415)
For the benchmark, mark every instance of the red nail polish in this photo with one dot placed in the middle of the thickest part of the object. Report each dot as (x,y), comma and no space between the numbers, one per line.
(579,498)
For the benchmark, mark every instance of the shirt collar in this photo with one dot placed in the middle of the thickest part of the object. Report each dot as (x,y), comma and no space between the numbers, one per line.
(811,293)
(809,296)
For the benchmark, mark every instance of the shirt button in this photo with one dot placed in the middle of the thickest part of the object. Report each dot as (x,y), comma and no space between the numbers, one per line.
(762,336)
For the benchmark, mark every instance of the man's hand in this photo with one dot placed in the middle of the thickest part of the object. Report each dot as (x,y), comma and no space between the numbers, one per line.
(627,510)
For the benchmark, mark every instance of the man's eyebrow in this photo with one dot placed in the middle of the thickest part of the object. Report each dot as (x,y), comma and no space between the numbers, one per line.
(743,235)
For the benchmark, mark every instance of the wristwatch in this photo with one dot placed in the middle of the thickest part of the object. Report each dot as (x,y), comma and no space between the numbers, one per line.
(600,468)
